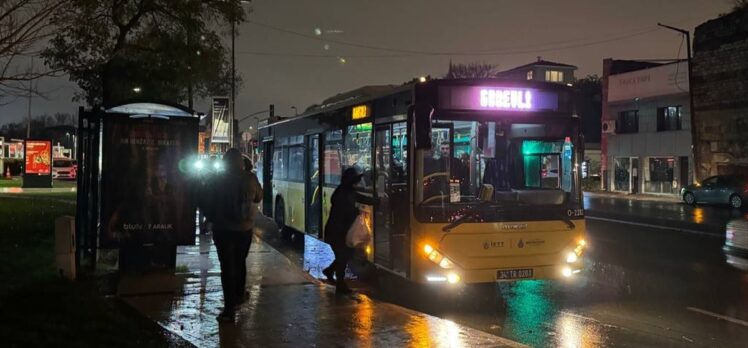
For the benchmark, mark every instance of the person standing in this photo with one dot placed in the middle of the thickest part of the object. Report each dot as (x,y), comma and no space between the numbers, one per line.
(343,213)
(234,192)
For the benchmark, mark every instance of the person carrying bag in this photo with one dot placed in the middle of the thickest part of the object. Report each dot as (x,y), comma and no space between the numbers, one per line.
(343,221)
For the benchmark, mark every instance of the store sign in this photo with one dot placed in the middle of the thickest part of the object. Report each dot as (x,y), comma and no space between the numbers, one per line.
(662,80)
(360,112)
(38,157)
(497,98)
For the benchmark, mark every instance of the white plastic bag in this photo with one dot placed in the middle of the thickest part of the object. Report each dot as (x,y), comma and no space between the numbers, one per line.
(358,234)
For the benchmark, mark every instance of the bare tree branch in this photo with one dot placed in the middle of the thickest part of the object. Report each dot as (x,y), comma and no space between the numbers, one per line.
(23,25)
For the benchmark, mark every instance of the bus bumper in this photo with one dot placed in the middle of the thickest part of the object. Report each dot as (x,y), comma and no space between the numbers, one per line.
(561,271)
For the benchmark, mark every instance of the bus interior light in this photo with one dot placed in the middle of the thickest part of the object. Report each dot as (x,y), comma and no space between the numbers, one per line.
(436,278)
(453,278)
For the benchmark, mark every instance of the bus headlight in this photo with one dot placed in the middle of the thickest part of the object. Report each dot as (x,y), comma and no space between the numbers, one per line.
(427,249)
(437,257)
(446,264)
(566,272)
(571,257)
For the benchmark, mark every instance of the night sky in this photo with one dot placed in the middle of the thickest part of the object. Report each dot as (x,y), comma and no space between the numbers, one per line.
(284,61)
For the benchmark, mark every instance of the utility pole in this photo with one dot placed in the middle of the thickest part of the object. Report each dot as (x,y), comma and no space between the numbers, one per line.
(31,84)
(233,79)
(694,152)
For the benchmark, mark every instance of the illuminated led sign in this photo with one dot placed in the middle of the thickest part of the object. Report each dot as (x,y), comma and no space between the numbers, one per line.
(498,98)
(360,112)
(38,157)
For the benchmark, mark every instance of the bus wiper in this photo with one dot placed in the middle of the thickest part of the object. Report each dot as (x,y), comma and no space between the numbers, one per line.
(459,221)
(469,214)
(568,222)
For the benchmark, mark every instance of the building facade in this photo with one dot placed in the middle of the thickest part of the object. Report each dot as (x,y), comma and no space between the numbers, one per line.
(720,92)
(541,70)
(646,137)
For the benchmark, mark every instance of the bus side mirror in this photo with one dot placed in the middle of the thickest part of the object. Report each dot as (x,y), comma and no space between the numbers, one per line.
(421,115)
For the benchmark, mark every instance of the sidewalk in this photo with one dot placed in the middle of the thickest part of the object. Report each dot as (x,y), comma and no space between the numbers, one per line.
(286,308)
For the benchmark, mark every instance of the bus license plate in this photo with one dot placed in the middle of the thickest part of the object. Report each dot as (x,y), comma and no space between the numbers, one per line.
(514,274)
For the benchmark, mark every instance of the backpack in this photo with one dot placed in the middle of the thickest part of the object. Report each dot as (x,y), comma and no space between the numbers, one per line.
(228,199)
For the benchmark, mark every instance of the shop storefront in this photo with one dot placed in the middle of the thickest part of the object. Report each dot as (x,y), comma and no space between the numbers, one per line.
(646,145)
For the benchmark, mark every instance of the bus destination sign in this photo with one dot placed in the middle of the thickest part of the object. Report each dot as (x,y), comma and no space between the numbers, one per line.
(497,98)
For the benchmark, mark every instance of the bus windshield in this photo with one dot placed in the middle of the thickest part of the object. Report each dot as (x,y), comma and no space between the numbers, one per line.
(498,164)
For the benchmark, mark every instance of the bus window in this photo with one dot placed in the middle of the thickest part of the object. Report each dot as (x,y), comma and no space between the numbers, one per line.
(400,148)
(278,165)
(529,158)
(296,163)
(357,152)
(333,152)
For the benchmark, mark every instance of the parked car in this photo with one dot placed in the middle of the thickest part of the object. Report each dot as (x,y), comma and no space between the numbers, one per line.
(721,189)
(736,243)
(63,168)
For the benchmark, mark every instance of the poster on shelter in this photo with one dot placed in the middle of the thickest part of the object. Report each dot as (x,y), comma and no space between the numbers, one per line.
(38,157)
(146,186)
(220,120)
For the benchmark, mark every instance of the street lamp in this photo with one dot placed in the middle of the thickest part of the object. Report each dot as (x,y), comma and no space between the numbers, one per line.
(136,89)
(694,152)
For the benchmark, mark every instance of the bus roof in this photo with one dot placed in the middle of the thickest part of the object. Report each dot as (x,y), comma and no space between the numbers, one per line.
(366,94)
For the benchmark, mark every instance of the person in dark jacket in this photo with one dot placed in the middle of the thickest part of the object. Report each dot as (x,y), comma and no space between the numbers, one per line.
(342,215)
(231,208)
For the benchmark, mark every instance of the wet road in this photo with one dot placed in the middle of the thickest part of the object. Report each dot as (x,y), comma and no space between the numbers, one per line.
(699,219)
(642,286)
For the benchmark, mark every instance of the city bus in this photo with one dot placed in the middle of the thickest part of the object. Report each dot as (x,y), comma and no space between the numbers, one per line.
(475,180)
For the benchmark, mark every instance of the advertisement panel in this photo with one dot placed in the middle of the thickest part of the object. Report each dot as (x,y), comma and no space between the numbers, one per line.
(146,186)
(220,120)
(38,157)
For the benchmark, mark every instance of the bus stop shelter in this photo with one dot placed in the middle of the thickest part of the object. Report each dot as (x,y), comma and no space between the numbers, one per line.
(134,183)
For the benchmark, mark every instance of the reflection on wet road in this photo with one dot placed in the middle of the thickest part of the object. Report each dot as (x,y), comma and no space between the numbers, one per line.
(673,215)
(641,287)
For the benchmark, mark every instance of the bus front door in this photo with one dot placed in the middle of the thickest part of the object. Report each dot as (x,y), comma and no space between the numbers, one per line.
(267,178)
(391,213)
(313,187)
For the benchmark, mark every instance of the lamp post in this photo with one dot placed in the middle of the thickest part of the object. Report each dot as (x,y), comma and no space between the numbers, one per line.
(233,75)
(692,115)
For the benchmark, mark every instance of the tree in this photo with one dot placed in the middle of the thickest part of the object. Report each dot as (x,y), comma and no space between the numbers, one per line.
(166,48)
(471,70)
(589,106)
(23,25)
